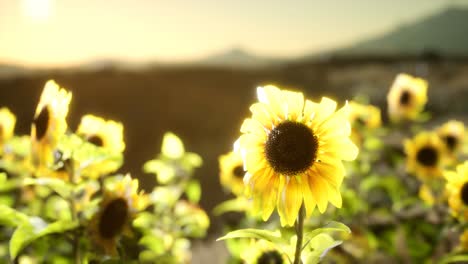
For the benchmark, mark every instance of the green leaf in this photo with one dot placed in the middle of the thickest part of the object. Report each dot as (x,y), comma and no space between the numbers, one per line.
(454,259)
(33,229)
(330,227)
(274,237)
(11,217)
(59,186)
(320,245)
(193,191)
(233,205)
(154,243)
(172,146)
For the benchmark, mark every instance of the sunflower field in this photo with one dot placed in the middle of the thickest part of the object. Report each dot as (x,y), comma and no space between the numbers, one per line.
(311,180)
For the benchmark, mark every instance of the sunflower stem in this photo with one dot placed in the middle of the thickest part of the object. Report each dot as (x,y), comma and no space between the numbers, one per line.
(300,233)
(74,213)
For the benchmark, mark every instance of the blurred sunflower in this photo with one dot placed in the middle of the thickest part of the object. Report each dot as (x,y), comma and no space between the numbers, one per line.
(49,124)
(292,150)
(107,134)
(452,134)
(464,241)
(363,117)
(116,211)
(232,172)
(263,252)
(457,190)
(7,126)
(407,97)
(425,194)
(425,155)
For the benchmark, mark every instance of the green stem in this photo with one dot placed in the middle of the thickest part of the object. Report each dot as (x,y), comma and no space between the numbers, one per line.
(300,233)
(74,213)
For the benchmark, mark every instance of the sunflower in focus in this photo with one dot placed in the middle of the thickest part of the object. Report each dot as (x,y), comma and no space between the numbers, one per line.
(263,252)
(425,155)
(452,134)
(107,134)
(407,97)
(292,150)
(7,126)
(232,172)
(49,124)
(457,190)
(116,211)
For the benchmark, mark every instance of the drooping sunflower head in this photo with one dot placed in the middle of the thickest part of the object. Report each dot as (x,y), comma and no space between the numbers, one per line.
(263,252)
(7,126)
(407,97)
(107,134)
(116,211)
(232,172)
(292,150)
(452,134)
(49,123)
(425,155)
(457,190)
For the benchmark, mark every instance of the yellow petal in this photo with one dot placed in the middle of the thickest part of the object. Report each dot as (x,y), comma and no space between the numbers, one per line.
(289,202)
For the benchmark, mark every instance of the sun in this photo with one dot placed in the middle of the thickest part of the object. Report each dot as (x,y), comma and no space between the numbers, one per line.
(37,10)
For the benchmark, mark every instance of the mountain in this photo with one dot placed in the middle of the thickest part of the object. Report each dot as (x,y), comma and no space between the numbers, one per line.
(444,33)
(238,57)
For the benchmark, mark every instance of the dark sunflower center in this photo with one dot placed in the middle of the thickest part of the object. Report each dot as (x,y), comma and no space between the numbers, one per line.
(96,140)
(464,193)
(41,122)
(113,218)
(360,121)
(238,171)
(451,142)
(270,257)
(291,148)
(427,156)
(405,98)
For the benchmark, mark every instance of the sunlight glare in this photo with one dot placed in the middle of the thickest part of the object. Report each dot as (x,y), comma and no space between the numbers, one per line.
(37,10)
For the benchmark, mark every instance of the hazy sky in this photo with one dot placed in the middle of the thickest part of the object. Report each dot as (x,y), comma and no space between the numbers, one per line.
(65,32)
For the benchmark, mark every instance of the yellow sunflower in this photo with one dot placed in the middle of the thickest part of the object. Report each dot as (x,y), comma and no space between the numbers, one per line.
(425,155)
(464,241)
(49,124)
(425,194)
(407,97)
(232,172)
(7,126)
(263,252)
(116,211)
(363,117)
(107,134)
(457,190)
(292,150)
(452,134)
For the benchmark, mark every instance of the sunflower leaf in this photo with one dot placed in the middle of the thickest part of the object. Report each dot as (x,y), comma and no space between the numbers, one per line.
(320,245)
(233,205)
(35,228)
(274,237)
(172,146)
(57,185)
(454,259)
(330,227)
(11,217)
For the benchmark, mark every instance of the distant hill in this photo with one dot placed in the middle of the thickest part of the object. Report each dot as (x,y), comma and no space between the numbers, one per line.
(238,57)
(444,33)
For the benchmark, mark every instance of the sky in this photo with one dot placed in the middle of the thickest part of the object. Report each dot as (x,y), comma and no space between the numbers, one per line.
(54,33)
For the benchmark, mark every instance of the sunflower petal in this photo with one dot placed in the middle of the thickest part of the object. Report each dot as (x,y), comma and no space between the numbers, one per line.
(289,202)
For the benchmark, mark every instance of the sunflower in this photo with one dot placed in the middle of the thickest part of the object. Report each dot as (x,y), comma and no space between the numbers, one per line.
(425,155)
(425,194)
(457,190)
(263,252)
(7,126)
(232,172)
(116,211)
(464,241)
(107,134)
(452,134)
(292,150)
(49,124)
(407,97)
(363,117)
